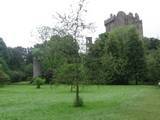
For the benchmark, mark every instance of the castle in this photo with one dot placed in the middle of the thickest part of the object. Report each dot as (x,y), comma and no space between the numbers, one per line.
(122,19)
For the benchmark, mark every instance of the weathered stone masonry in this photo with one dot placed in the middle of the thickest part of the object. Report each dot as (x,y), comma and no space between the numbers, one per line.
(122,19)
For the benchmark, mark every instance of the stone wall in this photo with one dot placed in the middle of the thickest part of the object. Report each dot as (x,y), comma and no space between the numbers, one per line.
(36,67)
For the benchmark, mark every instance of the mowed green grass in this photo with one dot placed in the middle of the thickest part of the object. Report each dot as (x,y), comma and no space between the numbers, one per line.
(25,102)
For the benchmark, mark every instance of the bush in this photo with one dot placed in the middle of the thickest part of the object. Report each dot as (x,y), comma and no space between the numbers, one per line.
(17,76)
(4,78)
(4,66)
(78,102)
(48,75)
(28,71)
(29,79)
(68,72)
(38,81)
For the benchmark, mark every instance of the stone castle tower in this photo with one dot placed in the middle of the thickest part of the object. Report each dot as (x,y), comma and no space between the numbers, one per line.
(36,67)
(122,19)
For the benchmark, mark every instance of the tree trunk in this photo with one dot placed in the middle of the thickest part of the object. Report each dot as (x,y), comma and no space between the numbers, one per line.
(77,92)
(136,82)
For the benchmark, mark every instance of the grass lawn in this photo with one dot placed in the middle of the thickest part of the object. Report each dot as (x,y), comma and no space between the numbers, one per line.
(25,102)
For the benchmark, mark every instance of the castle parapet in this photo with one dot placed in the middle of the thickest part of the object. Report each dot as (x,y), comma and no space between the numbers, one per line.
(123,19)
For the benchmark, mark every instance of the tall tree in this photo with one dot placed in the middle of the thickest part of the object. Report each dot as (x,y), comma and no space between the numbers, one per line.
(114,58)
(4,51)
(94,62)
(73,24)
(136,61)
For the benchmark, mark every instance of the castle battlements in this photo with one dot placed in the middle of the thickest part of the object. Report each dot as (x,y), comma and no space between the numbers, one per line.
(123,19)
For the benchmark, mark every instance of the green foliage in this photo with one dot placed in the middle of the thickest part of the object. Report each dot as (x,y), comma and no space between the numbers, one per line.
(28,68)
(4,51)
(4,70)
(17,76)
(136,61)
(57,51)
(93,59)
(151,43)
(38,81)
(4,66)
(117,57)
(17,58)
(4,78)
(69,73)
(154,66)
(20,63)
(57,56)
(114,70)
(111,60)
(49,76)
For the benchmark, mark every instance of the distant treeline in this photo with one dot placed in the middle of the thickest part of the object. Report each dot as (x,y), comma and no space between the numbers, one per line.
(15,63)
(117,57)
(122,57)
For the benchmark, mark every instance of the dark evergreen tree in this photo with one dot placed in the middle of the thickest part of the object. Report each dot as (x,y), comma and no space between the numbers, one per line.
(136,62)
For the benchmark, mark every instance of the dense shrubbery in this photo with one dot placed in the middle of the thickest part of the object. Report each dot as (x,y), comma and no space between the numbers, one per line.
(49,76)
(17,76)
(121,57)
(67,73)
(118,57)
(4,78)
(15,63)
(38,82)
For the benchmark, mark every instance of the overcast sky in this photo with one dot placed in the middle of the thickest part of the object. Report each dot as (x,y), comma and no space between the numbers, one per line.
(19,18)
